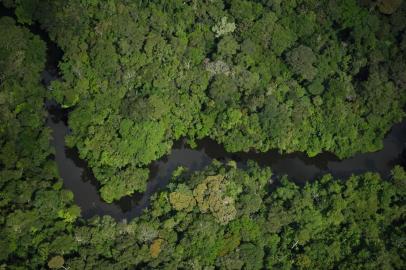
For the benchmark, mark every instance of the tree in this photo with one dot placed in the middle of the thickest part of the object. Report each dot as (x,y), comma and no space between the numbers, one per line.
(223,27)
(56,262)
(182,198)
(301,59)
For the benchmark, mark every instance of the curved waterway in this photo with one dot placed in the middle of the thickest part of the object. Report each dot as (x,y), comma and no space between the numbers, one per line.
(300,168)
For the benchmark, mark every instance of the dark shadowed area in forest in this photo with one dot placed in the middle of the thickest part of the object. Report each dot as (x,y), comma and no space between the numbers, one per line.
(226,134)
(300,168)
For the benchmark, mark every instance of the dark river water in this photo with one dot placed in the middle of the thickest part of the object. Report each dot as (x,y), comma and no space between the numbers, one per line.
(300,168)
(79,179)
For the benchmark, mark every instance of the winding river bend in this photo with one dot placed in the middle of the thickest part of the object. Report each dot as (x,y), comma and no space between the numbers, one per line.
(300,168)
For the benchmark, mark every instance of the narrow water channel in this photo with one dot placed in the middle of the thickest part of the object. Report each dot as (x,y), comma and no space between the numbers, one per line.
(300,168)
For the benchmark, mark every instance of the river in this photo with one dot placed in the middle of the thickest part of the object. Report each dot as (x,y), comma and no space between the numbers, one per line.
(78,178)
(300,168)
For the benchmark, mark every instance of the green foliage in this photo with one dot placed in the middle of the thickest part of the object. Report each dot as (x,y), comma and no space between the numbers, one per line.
(307,76)
(318,226)
(389,6)
(301,59)
(182,198)
(36,214)
(223,27)
(211,197)
(56,262)
(294,75)
(124,183)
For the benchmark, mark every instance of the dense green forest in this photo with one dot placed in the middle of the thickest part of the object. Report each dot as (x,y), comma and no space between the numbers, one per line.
(37,215)
(292,75)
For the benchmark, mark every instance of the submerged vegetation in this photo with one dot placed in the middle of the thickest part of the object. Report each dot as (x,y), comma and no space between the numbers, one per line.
(292,75)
